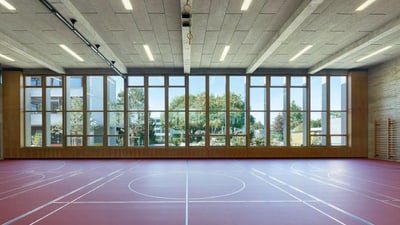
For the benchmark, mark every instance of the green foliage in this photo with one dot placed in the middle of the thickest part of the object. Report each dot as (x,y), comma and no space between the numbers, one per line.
(76,118)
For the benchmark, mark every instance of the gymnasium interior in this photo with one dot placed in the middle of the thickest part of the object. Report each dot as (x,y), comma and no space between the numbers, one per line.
(199,112)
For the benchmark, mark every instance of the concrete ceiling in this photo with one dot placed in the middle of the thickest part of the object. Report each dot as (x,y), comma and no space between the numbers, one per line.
(267,35)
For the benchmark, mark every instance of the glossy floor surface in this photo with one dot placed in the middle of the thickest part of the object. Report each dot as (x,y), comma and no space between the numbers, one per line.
(199,192)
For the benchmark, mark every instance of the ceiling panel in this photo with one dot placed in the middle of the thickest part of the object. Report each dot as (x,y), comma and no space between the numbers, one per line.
(333,27)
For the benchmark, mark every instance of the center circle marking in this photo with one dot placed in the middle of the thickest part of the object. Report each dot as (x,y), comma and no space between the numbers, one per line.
(172,186)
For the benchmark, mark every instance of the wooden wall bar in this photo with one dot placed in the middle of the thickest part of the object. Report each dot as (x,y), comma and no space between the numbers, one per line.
(13,130)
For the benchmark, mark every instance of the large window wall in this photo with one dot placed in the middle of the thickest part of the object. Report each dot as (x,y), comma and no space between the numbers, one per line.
(177,111)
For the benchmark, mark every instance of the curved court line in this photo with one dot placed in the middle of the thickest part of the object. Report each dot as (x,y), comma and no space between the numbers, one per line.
(131,188)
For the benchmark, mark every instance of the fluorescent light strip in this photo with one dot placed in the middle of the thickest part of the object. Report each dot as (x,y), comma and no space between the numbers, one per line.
(127,4)
(224,53)
(365,5)
(148,52)
(300,53)
(245,5)
(7,5)
(6,57)
(71,52)
(374,53)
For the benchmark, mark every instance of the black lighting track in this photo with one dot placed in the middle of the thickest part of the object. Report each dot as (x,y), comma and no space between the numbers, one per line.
(70,24)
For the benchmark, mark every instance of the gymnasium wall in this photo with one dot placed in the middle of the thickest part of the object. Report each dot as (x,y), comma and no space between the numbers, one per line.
(383,96)
(357,133)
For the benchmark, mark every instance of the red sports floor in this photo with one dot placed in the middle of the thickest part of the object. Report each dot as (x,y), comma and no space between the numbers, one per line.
(200,192)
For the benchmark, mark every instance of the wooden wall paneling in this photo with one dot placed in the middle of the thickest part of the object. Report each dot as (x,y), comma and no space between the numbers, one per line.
(12,113)
(358,113)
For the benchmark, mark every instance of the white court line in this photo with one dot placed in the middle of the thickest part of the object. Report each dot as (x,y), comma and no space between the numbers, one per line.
(58,178)
(258,171)
(358,191)
(297,198)
(187,194)
(69,203)
(51,202)
(322,201)
(180,202)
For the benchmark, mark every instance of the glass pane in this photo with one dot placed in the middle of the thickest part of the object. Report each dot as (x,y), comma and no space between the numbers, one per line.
(278,98)
(136,98)
(297,129)
(74,123)
(257,81)
(176,99)
(75,141)
(116,129)
(115,93)
(95,140)
(95,97)
(238,141)
(217,98)
(278,81)
(176,128)
(54,129)
(116,140)
(217,123)
(237,123)
(115,123)
(197,123)
(156,98)
(318,93)
(33,129)
(156,81)
(318,121)
(197,90)
(33,81)
(54,99)
(318,140)
(338,123)
(298,81)
(257,128)
(136,129)
(176,81)
(298,99)
(217,140)
(136,80)
(197,139)
(338,93)
(257,99)
(156,129)
(95,123)
(54,81)
(237,86)
(278,128)
(74,93)
(338,140)
(33,99)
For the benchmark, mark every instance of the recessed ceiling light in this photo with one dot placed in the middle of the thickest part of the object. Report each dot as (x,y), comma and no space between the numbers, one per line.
(148,52)
(71,52)
(224,53)
(300,53)
(245,5)
(6,57)
(374,53)
(7,5)
(365,5)
(127,4)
